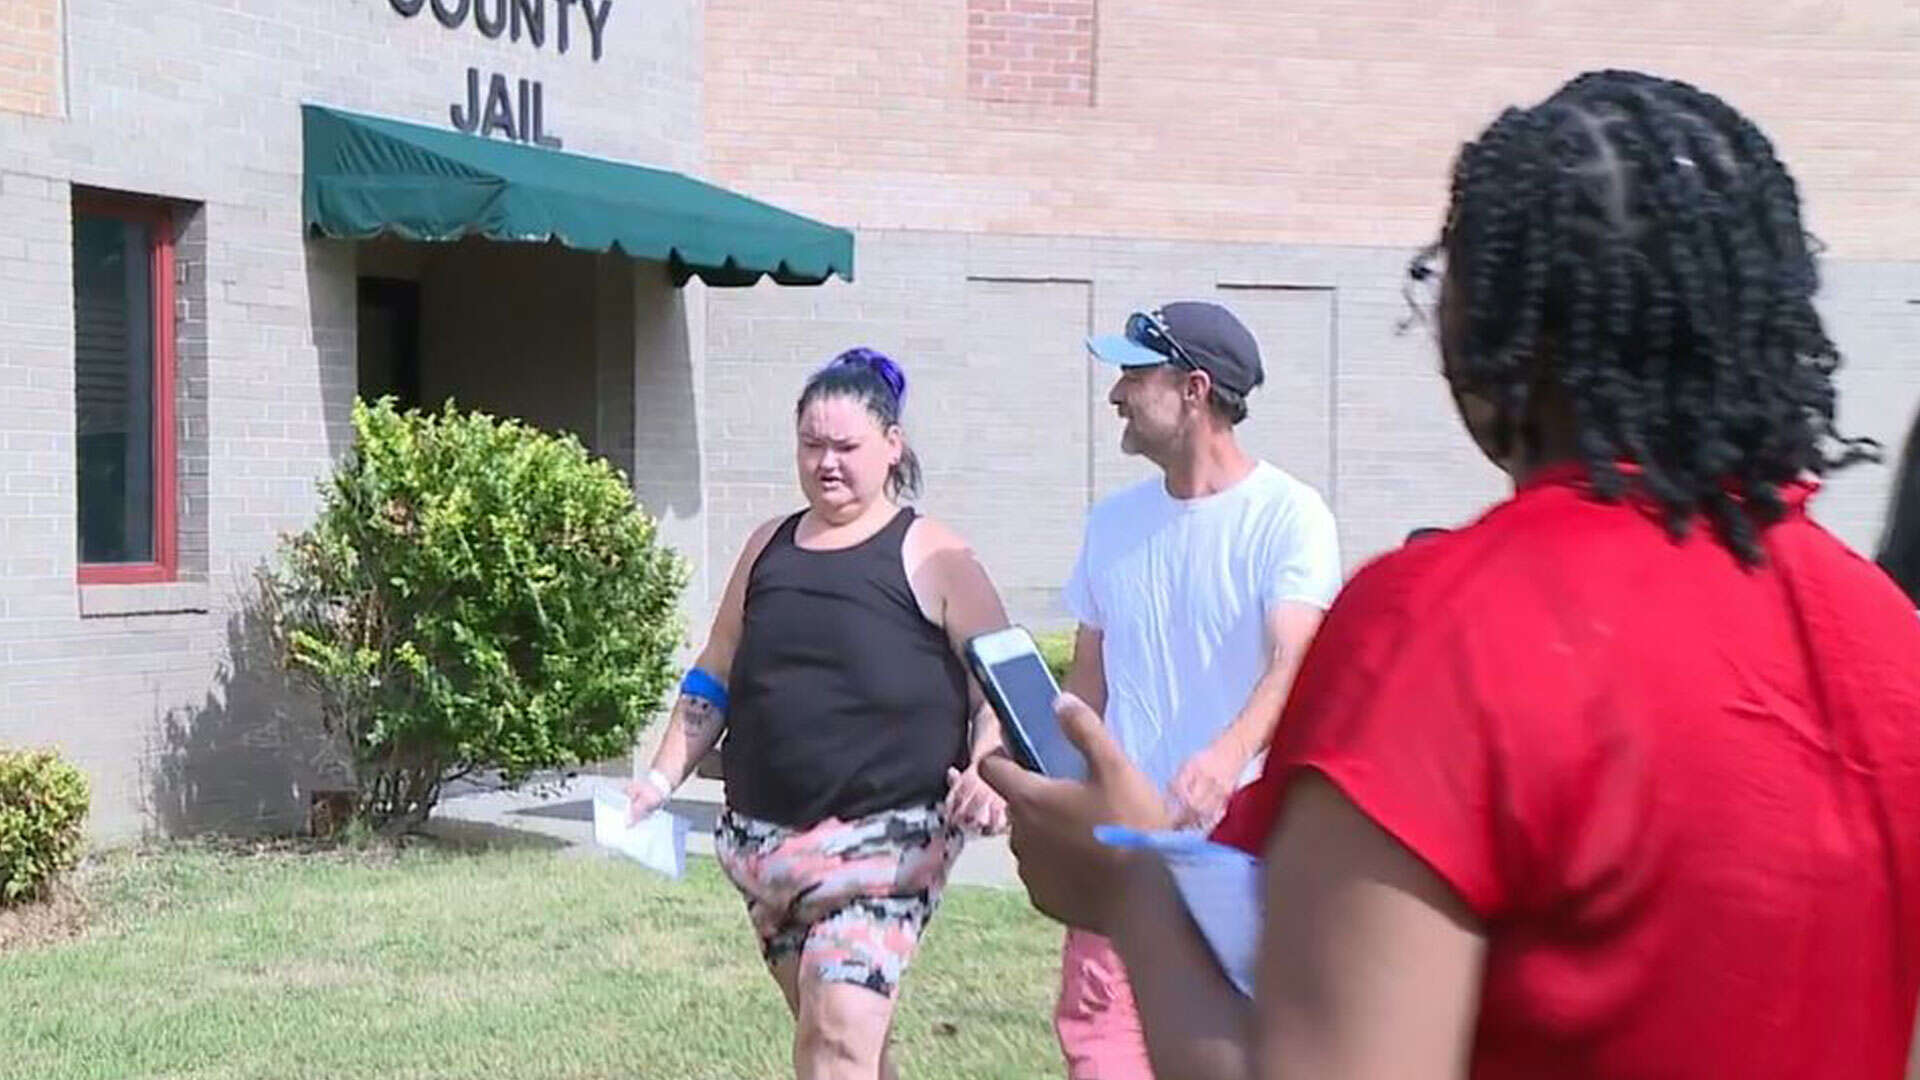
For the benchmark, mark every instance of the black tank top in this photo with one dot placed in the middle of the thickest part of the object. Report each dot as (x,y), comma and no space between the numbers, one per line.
(844,699)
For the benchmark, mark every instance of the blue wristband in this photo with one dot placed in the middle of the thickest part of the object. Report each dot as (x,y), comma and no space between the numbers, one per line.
(701,684)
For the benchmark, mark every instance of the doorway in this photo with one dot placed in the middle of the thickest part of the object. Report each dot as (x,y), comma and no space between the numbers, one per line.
(389,329)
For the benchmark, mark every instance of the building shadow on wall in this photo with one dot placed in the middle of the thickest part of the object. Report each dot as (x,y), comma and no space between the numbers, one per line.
(247,759)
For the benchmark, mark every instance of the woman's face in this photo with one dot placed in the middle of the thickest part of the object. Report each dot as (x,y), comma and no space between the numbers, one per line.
(843,455)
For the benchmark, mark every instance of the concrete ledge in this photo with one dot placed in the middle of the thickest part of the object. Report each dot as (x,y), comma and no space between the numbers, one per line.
(563,811)
(165,598)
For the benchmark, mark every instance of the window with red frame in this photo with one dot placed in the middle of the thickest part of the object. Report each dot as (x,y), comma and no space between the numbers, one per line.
(123,388)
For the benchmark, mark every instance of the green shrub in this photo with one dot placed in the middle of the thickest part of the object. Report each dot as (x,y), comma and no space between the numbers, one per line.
(43,805)
(475,595)
(1056,648)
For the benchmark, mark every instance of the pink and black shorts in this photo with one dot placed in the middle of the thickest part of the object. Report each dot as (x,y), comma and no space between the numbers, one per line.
(849,898)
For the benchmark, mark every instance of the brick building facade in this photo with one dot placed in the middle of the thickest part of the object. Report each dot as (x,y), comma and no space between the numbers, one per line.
(1017,172)
(1283,160)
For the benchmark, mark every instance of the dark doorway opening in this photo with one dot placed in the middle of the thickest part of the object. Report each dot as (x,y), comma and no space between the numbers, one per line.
(389,330)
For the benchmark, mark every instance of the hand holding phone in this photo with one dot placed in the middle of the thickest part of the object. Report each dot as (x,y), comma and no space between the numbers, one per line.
(1021,690)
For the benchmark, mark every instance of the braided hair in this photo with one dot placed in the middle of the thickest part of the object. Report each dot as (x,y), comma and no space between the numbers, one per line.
(1637,244)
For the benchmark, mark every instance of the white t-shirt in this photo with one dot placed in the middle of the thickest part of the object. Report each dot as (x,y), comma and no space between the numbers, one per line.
(1180,590)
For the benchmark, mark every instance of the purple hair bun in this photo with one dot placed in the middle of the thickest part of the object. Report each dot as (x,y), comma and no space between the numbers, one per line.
(880,364)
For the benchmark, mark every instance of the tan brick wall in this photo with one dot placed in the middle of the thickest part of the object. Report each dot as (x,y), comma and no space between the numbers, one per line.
(1245,120)
(1036,51)
(180,719)
(1013,428)
(30,54)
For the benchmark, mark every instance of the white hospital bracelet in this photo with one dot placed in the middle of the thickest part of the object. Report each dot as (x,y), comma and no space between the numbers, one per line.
(659,781)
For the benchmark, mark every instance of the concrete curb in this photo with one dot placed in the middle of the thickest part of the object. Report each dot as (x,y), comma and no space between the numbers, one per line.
(561,812)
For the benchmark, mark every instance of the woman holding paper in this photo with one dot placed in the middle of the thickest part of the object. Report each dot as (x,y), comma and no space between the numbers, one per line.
(853,730)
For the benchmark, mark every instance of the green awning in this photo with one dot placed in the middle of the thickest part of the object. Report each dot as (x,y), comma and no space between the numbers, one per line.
(366,176)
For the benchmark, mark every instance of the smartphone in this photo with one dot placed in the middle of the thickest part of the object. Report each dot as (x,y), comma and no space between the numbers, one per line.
(1021,691)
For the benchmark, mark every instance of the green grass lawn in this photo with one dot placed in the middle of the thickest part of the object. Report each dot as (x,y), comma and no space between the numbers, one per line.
(519,964)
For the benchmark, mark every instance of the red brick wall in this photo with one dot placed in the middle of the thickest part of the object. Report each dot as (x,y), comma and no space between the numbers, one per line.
(30,56)
(1038,51)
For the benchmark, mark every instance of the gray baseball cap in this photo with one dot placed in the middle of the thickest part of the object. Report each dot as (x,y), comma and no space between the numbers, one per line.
(1187,333)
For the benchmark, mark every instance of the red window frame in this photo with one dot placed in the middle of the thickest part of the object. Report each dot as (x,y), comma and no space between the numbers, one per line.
(165,565)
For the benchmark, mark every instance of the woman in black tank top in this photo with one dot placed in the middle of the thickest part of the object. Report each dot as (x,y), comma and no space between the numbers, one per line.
(852,728)
(845,699)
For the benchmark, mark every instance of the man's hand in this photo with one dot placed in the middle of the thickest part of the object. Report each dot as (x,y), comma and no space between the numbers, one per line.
(1069,875)
(1200,790)
(973,805)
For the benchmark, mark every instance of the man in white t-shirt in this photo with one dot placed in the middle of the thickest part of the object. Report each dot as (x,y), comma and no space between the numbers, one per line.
(1196,592)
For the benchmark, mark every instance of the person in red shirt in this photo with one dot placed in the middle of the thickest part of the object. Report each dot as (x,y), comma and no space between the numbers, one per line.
(1622,780)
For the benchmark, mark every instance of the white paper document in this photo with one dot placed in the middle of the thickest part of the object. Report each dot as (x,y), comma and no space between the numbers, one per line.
(1220,887)
(657,841)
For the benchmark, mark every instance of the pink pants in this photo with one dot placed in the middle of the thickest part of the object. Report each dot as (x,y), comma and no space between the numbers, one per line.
(1099,1027)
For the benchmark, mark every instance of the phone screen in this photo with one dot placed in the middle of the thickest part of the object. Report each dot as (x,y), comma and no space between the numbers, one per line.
(1028,687)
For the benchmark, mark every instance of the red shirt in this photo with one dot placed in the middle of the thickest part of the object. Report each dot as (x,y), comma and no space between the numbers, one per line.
(1683,797)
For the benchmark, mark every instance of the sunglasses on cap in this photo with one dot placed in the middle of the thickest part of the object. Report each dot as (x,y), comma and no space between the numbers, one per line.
(1147,330)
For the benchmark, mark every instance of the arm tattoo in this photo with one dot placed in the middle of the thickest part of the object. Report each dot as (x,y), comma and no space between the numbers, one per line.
(700,720)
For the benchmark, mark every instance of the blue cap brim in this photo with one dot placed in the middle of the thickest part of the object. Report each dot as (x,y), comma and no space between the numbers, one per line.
(1117,350)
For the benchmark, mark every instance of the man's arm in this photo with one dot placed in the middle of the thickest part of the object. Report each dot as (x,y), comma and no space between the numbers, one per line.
(1087,675)
(1205,782)
(1304,579)
(1290,629)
